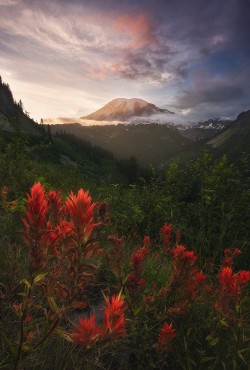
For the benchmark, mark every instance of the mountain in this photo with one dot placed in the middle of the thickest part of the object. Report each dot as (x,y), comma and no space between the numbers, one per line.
(12,115)
(150,143)
(122,109)
(235,139)
(205,130)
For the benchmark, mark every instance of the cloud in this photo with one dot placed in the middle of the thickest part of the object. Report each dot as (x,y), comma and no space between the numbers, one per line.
(193,53)
(8,2)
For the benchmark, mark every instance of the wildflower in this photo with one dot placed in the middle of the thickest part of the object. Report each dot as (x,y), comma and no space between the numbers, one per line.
(99,251)
(243,277)
(114,319)
(28,318)
(31,335)
(167,234)
(35,227)
(190,256)
(141,282)
(37,208)
(227,279)
(236,252)
(228,261)
(55,205)
(179,251)
(86,332)
(81,210)
(167,334)
(146,241)
(200,278)
(137,259)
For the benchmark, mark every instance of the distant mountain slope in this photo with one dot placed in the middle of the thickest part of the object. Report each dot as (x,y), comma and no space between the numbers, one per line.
(234,140)
(121,109)
(204,130)
(12,115)
(151,143)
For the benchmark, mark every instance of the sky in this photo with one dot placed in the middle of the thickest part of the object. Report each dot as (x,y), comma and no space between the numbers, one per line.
(67,58)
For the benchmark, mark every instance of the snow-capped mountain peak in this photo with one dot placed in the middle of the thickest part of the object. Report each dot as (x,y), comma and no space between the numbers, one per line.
(123,109)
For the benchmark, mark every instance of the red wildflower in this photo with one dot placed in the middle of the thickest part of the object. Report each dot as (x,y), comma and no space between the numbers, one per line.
(37,208)
(227,279)
(243,277)
(179,251)
(141,282)
(81,210)
(137,259)
(35,227)
(236,252)
(190,256)
(114,319)
(228,261)
(28,318)
(200,278)
(167,234)
(146,241)
(55,205)
(86,332)
(167,334)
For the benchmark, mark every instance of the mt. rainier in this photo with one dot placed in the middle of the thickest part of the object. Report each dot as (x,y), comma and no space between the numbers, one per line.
(121,109)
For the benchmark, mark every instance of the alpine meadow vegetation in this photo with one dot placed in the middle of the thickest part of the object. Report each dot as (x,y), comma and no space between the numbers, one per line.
(76,295)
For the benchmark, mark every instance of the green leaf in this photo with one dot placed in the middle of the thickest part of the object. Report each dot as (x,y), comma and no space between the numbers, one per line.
(242,358)
(63,334)
(224,324)
(206,359)
(26,348)
(26,282)
(214,341)
(39,277)
(53,305)
(137,310)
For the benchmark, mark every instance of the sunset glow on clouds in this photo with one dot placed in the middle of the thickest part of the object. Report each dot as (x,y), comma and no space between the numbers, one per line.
(68,58)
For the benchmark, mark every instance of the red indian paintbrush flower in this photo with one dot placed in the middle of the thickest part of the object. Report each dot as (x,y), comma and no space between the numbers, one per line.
(243,277)
(166,231)
(146,241)
(81,210)
(113,326)
(228,280)
(86,332)
(37,207)
(181,254)
(167,334)
(114,319)
(35,226)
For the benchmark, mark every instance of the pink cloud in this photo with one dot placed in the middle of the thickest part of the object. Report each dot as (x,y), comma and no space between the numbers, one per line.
(138,27)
